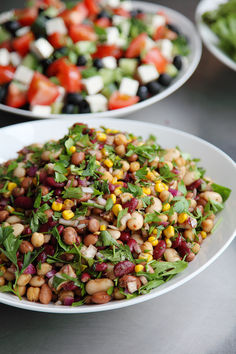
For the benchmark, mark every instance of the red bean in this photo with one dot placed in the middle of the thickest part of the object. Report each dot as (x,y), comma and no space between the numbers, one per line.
(132,243)
(60,229)
(85,277)
(183,249)
(52,183)
(195,184)
(31,172)
(131,205)
(24,202)
(125,236)
(123,268)
(100,267)
(159,250)
(70,286)
(49,250)
(177,242)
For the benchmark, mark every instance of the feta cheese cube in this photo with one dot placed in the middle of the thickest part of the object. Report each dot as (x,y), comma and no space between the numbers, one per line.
(147,73)
(97,103)
(109,62)
(23,75)
(42,48)
(4,57)
(6,16)
(126,5)
(121,42)
(149,44)
(41,110)
(62,93)
(112,3)
(166,48)
(157,21)
(112,35)
(22,31)
(116,20)
(129,86)
(15,58)
(56,25)
(93,84)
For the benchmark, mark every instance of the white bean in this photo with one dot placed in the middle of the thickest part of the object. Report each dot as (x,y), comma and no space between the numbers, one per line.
(216,197)
(136,221)
(171,255)
(155,206)
(95,285)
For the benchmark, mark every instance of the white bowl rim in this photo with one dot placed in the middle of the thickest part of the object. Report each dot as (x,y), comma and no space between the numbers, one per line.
(196,53)
(13,301)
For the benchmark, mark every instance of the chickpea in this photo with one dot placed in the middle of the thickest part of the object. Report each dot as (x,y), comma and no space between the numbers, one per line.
(95,285)
(44,269)
(163,218)
(45,295)
(165,196)
(125,165)
(21,290)
(2,281)
(46,155)
(134,166)
(47,238)
(33,294)
(120,150)
(3,215)
(37,281)
(193,204)
(37,239)
(172,154)
(136,221)
(114,233)
(77,158)
(180,161)
(155,206)
(69,235)
(207,225)
(195,247)
(117,294)
(93,225)
(120,139)
(146,247)
(90,239)
(26,247)
(190,177)
(189,235)
(24,279)
(173,218)
(133,158)
(17,229)
(19,171)
(171,255)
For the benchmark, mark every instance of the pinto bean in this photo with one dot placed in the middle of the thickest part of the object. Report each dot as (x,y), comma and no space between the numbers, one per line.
(101,297)
(77,157)
(26,247)
(93,225)
(45,295)
(90,239)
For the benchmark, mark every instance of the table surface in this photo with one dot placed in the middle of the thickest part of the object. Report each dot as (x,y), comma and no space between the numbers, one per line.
(197,318)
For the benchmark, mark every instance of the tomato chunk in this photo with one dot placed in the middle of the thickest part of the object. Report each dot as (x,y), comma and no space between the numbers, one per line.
(121,12)
(103,22)
(82,32)
(6,74)
(159,33)
(22,44)
(76,15)
(16,97)
(118,100)
(42,91)
(26,17)
(136,46)
(70,78)
(155,57)
(105,50)
(92,6)
(57,40)
(56,67)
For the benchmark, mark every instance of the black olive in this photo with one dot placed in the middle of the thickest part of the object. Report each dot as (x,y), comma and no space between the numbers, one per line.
(165,79)
(178,62)
(12,26)
(173,28)
(68,108)
(39,27)
(74,98)
(143,93)
(84,107)
(81,61)
(98,63)
(3,92)
(46,62)
(103,13)
(154,87)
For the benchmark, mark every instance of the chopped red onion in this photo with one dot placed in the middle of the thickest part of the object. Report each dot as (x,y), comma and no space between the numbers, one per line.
(51,273)
(68,301)
(30,269)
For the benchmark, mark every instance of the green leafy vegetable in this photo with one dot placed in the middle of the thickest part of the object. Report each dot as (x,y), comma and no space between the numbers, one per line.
(72,192)
(223,191)
(122,213)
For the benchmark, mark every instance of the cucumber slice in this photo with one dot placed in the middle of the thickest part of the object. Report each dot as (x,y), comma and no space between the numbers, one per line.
(85,47)
(107,75)
(57,107)
(30,61)
(108,90)
(171,70)
(4,35)
(128,66)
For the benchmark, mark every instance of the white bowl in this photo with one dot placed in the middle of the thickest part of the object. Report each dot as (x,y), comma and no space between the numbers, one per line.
(209,38)
(218,165)
(188,69)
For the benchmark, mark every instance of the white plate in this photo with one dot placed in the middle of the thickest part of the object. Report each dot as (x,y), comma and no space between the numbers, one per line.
(219,166)
(186,27)
(209,38)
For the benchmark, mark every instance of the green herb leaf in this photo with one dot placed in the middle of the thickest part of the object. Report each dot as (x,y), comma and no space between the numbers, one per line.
(223,191)
(72,192)
(133,189)
(142,172)
(181,205)
(109,204)
(152,217)
(181,188)
(120,215)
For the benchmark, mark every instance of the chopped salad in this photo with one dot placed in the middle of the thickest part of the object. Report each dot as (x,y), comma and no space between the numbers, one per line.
(87,56)
(101,215)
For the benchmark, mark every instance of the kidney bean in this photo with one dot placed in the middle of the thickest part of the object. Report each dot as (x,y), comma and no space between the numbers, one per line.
(42,257)
(69,286)
(183,249)
(58,192)
(42,176)
(85,277)
(125,236)
(24,202)
(60,229)
(26,247)
(132,243)
(131,205)
(159,250)
(31,172)
(27,231)
(122,268)
(100,267)
(112,187)
(18,192)
(52,183)
(49,250)
(195,184)
(100,297)
(177,242)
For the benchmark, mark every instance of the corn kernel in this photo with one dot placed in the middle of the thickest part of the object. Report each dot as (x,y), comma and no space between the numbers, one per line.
(11,186)
(104,152)
(108,163)
(166,207)
(113,198)
(114,180)
(139,268)
(203,234)
(150,176)
(108,131)
(151,239)
(10,209)
(56,206)
(67,214)
(165,186)
(146,190)
(101,137)
(182,218)
(72,149)
(169,231)
(117,191)
(103,227)
(168,243)
(146,256)
(68,204)
(116,209)
(159,187)
(154,232)
(154,243)
(97,163)
(2,268)
(120,175)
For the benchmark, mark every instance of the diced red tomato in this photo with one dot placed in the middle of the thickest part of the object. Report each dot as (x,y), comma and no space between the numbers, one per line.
(6,44)
(92,6)
(76,15)
(42,91)
(122,12)
(82,32)
(70,78)
(105,50)
(103,22)
(155,57)
(26,17)
(57,40)
(159,33)
(56,67)
(22,44)
(54,3)
(15,96)
(171,35)
(6,74)
(118,100)
(136,46)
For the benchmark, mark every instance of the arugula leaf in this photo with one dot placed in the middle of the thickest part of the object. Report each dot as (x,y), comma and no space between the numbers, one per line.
(142,172)
(133,189)
(7,288)
(58,280)
(102,186)
(78,303)
(122,213)
(37,201)
(109,204)
(223,191)
(72,192)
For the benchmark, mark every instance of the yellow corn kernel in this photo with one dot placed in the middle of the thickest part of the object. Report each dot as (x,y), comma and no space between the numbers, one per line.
(97,163)
(108,131)
(168,242)
(146,256)
(114,180)
(67,214)
(146,190)
(104,152)
(72,149)
(159,187)
(166,207)
(108,163)
(120,175)
(139,268)
(165,186)
(113,198)
(57,206)
(169,231)
(151,239)
(2,268)
(101,137)
(103,227)
(154,232)
(68,204)
(116,209)
(11,186)
(117,191)
(182,218)
(203,234)
(10,209)
(154,243)
(150,176)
